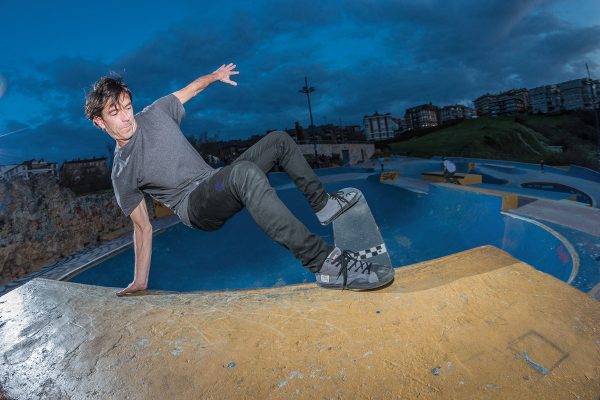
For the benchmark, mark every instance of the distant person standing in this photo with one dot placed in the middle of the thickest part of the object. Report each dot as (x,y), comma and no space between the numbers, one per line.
(381,162)
(542,165)
(449,169)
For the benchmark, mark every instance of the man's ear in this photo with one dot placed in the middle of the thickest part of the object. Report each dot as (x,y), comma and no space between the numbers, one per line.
(99,122)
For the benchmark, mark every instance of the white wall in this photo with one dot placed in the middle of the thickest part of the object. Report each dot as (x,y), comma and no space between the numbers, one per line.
(354,150)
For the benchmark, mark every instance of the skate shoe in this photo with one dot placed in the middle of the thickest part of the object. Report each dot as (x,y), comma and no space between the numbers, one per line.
(343,269)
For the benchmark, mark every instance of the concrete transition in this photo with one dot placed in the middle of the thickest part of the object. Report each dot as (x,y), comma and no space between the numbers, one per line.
(477,324)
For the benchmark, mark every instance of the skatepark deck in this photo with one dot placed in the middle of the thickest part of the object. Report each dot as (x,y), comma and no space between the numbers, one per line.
(584,219)
(476,324)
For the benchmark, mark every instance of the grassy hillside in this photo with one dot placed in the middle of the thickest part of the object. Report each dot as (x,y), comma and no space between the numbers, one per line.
(520,138)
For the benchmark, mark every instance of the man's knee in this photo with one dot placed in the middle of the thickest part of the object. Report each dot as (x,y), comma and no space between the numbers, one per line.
(248,180)
(279,137)
(243,171)
(243,166)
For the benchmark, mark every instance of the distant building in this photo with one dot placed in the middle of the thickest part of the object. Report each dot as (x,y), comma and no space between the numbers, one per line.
(423,116)
(510,102)
(400,124)
(339,134)
(379,126)
(345,153)
(578,94)
(455,112)
(29,168)
(545,99)
(229,151)
(85,176)
(482,104)
(327,133)
(298,133)
(4,169)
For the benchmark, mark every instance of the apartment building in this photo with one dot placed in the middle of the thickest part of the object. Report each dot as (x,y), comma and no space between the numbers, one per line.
(423,116)
(380,126)
(505,103)
(84,176)
(578,94)
(29,168)
(455,112)
(545,99)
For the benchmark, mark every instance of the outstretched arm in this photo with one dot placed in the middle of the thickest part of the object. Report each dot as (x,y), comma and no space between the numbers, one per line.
(142,239)
(222,74)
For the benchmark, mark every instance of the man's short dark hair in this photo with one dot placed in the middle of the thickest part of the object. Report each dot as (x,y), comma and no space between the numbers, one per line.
(107,88)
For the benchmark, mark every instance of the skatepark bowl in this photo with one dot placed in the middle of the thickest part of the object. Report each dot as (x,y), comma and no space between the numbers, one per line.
(495,296)
(416,227)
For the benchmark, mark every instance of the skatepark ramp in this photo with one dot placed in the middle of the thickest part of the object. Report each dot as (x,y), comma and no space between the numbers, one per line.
(470,325)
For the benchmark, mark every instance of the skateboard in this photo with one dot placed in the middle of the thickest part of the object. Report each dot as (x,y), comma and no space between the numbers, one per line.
(356,230)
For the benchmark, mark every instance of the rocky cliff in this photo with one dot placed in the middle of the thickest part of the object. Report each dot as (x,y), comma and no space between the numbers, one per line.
(41,222)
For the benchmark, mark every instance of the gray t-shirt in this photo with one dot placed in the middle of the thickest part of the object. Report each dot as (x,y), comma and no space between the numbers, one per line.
(158,160)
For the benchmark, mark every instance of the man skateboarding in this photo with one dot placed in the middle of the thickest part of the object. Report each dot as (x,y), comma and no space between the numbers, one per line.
(153,156)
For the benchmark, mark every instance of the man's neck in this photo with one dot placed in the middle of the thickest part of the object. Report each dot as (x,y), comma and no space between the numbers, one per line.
(123,142)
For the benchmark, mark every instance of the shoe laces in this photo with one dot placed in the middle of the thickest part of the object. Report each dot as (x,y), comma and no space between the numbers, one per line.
(339,196)
(349,260)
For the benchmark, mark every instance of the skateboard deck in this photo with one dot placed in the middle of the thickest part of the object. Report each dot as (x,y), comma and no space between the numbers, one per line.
(357,230)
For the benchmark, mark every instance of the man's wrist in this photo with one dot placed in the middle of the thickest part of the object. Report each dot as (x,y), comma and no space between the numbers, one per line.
(214,77)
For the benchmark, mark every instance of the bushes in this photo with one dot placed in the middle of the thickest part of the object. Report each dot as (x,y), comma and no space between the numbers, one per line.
(578,155)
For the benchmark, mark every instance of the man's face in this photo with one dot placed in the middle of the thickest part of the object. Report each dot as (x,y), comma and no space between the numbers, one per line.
(117,119)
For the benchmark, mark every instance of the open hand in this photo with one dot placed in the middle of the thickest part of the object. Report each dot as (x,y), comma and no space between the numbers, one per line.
(224,73)
(132,288)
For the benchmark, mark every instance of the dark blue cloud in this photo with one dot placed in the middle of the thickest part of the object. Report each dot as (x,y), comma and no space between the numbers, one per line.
(55,141)
(361,56)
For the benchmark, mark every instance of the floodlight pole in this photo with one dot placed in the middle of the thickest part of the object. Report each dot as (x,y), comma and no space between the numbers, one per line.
(307,90)
(595,105)
(595,111)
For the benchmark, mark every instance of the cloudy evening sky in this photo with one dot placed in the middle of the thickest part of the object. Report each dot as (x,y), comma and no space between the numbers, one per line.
(362,56)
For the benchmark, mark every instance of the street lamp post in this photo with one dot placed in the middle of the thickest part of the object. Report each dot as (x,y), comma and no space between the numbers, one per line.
(307,90)
(595,107)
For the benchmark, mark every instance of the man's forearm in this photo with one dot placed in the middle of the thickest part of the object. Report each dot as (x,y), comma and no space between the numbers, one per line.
(223,74)
(142,239)
(202,83)
(195,87)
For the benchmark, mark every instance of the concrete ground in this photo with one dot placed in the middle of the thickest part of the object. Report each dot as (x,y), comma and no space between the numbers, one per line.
(526,173)
(591,188)
(477,324)
(565,213)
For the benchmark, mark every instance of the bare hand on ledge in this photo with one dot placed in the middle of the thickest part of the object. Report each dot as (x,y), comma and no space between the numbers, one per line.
(132,288)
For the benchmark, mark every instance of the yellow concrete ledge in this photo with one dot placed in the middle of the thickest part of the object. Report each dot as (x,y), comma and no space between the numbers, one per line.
(509,200)
(464,179)
(457,327)
(389,176)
